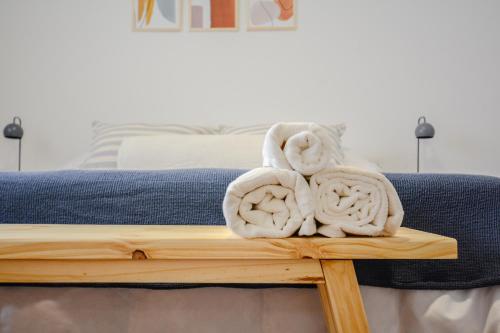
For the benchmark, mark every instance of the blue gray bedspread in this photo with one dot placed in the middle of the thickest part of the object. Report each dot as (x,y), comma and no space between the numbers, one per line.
(464,207)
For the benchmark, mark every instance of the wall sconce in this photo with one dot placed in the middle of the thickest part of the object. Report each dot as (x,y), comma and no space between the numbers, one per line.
(424,130)
(15,131)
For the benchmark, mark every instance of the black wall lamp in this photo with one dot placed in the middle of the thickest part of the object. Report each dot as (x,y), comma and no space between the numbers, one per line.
(15,131)
(424,130)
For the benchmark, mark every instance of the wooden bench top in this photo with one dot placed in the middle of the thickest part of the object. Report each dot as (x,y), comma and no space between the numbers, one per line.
(65,242)
(197,254)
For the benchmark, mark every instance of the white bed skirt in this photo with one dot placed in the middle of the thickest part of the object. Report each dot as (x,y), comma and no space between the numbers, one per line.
(29,309)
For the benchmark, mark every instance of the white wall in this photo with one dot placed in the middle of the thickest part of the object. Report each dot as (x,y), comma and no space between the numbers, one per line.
(376,65)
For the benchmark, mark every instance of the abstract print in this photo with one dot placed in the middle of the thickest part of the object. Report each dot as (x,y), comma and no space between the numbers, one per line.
(213,15)
(271,14)
(157,14)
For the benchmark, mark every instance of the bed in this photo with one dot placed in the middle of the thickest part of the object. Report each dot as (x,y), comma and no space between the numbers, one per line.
(467,208)
(417,296)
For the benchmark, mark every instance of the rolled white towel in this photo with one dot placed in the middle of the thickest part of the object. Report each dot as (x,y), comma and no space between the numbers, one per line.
(304,147)
(354,201)
(266,202)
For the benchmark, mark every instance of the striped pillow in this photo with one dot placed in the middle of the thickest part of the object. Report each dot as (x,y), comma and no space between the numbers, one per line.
(107,139)
(336,132)
(247,130)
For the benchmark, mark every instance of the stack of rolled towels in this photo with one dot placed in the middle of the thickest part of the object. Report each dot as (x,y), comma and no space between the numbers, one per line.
(303,189)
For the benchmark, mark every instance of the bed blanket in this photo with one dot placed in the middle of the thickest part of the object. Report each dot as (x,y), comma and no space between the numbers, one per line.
(464,207)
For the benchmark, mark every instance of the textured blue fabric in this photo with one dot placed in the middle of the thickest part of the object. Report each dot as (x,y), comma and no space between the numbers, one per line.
(464,207)
(115,197)
(461,206)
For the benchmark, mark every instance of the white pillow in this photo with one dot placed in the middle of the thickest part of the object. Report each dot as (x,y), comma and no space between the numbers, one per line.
(356,160)
(75,163)
(107,139)
(191,151)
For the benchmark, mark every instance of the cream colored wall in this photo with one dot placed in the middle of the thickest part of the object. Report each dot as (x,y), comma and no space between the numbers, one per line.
(376,65)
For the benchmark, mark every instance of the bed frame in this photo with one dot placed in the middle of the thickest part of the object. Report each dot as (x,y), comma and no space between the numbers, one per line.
(208,254)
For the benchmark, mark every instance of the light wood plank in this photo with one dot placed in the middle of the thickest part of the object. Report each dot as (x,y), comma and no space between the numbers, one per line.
(207,242)
(327,309)
(306,271)
(345,303)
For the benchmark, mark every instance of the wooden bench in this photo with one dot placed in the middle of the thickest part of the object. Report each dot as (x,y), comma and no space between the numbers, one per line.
(208,254)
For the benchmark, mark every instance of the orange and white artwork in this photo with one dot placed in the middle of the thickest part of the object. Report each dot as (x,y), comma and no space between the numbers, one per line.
(272,14)
(157,15)
(212,15)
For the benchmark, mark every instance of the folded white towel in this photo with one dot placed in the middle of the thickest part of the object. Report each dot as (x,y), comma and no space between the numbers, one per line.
(304,147)
(354,201)
(266,202)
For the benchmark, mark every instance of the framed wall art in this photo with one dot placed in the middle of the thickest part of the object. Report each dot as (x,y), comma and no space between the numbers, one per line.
(272,15)
(157,15)
(213,15)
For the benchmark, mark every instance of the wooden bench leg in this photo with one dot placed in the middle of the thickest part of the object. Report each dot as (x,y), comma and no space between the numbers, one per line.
(341,298)
(327,309)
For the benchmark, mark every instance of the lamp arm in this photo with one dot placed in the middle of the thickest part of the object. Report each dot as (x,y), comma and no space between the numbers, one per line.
(19,157)
(418,155)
